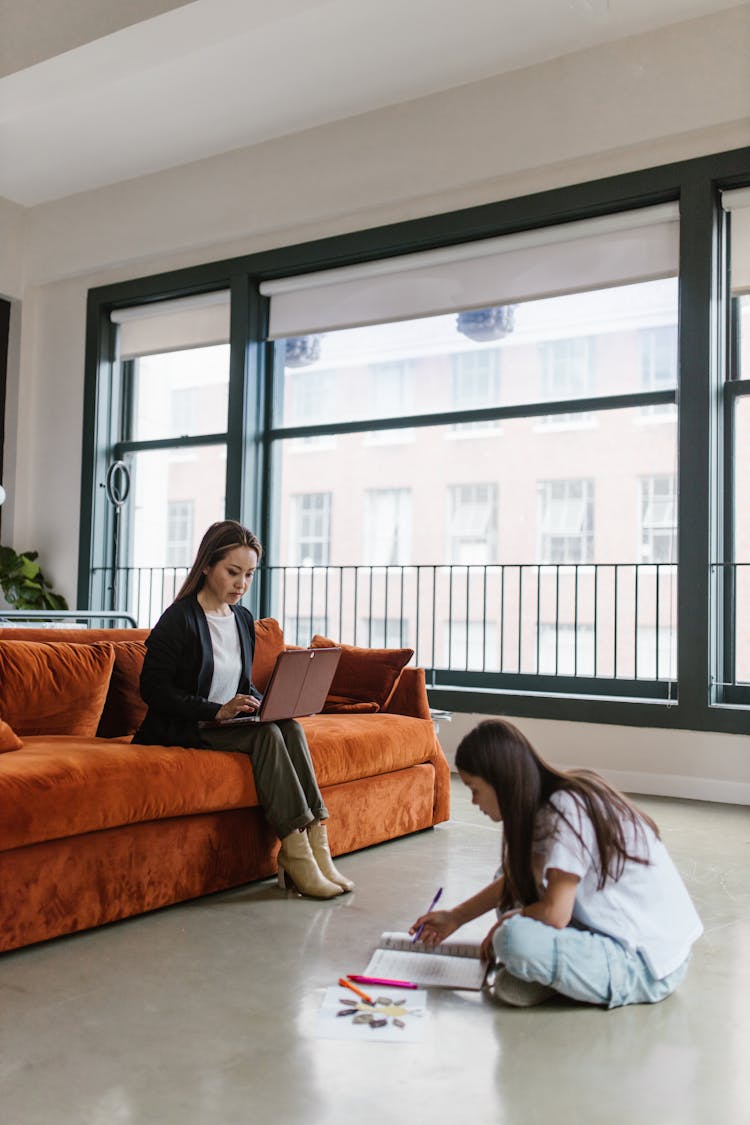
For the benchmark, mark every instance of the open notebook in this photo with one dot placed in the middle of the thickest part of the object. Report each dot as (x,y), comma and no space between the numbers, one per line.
(298,686)
(452,964)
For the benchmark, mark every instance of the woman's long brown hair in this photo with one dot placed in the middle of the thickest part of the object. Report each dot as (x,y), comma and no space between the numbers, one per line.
(219,540)
(501,755)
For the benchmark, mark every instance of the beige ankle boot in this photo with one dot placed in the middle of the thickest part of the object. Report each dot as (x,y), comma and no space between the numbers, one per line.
(298,869)
(322,852)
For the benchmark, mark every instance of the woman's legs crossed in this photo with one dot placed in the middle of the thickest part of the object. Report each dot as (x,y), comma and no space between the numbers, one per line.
(301,759)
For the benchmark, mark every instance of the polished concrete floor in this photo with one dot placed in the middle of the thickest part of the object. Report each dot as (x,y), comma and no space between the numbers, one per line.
(205,1013)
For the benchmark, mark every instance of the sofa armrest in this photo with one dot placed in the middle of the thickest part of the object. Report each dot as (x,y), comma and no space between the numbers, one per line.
(409,697)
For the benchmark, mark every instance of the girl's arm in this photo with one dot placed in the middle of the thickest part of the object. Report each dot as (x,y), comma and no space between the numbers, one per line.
(439,924)
(555,907)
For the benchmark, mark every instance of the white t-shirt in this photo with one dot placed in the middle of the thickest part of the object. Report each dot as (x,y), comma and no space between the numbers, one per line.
(648,909)
(225,641)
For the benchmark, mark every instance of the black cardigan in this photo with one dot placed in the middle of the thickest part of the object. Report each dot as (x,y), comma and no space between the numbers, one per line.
(177,673)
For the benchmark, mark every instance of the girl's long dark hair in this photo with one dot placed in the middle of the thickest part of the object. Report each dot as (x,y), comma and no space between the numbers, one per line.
(501,755)
(219,540)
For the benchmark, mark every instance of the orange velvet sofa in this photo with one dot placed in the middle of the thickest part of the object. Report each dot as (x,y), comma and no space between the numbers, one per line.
(94,829)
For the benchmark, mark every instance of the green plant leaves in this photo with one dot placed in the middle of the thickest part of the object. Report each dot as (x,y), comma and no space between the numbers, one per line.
(23,583)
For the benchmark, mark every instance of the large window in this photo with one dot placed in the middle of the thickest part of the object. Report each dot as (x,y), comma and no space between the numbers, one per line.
(733,570)
(168,463)
(472,445)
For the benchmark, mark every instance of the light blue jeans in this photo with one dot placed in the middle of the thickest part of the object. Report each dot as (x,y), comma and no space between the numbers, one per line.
(579,964)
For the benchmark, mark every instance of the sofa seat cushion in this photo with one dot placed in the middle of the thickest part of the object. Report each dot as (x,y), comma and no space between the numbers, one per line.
(60,786)
(349,747)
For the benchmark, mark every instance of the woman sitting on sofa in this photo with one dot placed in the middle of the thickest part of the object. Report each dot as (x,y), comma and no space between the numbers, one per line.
(198,668)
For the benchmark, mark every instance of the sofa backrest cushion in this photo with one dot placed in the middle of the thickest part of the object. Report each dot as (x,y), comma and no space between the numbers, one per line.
(340,705)
(54,688)
(124,709)
(364,675)
(9,740)
(269,642)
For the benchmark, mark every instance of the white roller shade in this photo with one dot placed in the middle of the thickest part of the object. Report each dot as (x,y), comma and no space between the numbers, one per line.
(630,246)
(738,204)
(168,326)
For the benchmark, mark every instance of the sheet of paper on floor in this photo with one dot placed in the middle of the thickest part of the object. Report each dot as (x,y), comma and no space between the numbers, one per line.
(404,1016)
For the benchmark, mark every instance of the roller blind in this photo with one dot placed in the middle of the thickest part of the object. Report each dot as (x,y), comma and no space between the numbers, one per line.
(627,247)
(737,203)
(168,326)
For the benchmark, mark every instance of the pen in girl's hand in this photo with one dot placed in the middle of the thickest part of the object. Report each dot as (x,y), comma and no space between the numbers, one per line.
(429,910)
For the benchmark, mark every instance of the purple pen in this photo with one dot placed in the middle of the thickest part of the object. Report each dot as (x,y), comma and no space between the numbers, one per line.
(429,910)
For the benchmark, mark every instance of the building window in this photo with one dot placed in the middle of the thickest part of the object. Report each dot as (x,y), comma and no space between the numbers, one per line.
(475,384)
(566,521)
(310,537)
(472,523)
(387,515)
(658,519)
(391,393)
(658,355)
(567,371)
(310,398)
(180,532)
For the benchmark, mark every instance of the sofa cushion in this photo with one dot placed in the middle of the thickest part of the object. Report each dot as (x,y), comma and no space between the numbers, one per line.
(124,709)
(9,740)
(340,705)
(364,675)
(269,642)
(53,688)
(59,786)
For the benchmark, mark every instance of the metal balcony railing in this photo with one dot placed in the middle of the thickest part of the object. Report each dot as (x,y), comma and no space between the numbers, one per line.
(512,625)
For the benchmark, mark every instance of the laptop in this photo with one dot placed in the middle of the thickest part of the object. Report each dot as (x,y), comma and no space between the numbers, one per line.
(298,686)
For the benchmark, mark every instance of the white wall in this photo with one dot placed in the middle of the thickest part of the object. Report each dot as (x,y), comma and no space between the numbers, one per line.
(670,763)
(677,93)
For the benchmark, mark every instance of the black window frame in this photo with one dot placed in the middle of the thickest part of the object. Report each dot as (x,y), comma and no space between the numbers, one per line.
(696,185)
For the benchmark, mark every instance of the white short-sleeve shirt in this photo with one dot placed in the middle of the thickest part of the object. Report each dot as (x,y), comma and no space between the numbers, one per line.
(648,909)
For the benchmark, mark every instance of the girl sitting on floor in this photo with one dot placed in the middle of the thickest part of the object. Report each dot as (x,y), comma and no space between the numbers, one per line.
(590,904)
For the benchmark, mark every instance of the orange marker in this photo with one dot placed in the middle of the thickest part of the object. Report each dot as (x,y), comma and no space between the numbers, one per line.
(348,984)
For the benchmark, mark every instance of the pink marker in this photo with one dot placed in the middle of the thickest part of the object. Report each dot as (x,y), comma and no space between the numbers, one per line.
(382,980)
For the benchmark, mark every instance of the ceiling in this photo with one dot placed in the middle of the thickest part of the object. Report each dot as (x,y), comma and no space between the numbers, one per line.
(97,91)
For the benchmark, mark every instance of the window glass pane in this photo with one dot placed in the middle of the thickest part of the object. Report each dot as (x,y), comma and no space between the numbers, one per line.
(563,543)
(181,394)
(743,312)
(175,495)
(742,539)
(611,341)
